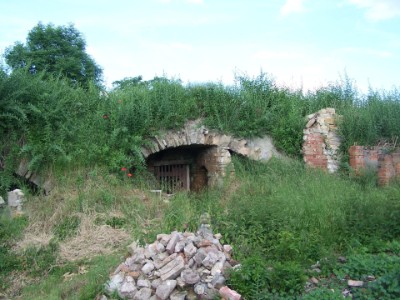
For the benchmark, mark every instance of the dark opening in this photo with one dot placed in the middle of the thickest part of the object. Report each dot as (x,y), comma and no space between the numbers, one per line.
(180,168)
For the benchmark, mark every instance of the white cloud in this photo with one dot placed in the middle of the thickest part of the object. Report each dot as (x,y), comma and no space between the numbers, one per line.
(377,10)
(292,6)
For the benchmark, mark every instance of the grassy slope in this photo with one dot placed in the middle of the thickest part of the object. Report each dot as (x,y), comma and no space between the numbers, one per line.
(277,214)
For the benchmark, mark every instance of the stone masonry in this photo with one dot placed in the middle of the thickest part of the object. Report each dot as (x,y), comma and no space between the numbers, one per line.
(321,142)
(217,158)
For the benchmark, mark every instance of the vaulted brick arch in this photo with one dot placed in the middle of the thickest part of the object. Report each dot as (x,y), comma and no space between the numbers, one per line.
(180,158)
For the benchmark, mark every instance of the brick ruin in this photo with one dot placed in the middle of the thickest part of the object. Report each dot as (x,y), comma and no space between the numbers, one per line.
(195,157)
(378,159)
(190,167)
(321,144)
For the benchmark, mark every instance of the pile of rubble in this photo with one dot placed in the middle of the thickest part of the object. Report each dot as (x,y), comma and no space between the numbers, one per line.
(176,266)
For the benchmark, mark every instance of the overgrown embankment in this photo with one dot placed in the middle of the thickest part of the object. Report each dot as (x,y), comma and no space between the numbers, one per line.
(280,217)
(54,125)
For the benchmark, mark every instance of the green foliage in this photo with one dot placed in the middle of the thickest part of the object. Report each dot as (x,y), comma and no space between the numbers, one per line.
(57,50)
(359,266)
(40,260)
(67,227)
(385,287)
(10,230)
(116,222)
(251,278)
(256,280)
(86,285)
(323,294)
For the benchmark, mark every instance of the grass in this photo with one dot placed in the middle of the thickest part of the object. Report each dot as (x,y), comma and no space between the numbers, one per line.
(280,218)
(54,125)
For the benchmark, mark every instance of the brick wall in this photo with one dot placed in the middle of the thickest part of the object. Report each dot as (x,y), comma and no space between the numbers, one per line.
(320,141)
(378,159)
(216,161)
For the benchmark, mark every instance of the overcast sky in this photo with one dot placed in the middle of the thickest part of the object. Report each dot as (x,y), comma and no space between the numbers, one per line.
(300,43)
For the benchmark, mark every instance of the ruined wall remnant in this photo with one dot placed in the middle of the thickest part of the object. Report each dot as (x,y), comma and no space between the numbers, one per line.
(321,142)
(207,152)
(40,181)
(376,159)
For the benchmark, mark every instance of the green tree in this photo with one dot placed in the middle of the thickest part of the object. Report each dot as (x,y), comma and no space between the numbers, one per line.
(127,82)
(57,50)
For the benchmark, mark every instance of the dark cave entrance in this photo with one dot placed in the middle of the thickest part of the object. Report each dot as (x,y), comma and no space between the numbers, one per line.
(184,168)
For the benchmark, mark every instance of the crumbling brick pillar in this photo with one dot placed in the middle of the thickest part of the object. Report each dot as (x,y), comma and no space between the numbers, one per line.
(386,169)
(356,158)
(321,142)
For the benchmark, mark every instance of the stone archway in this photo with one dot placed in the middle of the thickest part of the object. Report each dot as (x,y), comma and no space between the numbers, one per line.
(203,153)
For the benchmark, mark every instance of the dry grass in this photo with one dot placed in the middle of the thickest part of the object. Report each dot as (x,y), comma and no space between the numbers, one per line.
(93,240)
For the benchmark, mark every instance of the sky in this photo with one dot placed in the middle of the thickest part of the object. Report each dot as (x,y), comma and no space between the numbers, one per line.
(299,43)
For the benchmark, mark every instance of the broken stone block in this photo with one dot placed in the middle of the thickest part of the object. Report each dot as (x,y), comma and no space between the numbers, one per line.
(200,256)
(228,294)
(163,239)
(159,263)
(138,256)
(172,269)
(15,199)
(147,268)
(128,288)
(178,295)
(191,263)
(165,289)
(199,288)
(227,248)
(190,277)
(189,250)
(132,247)
(355,283)
(155,283)
(217,268)
(115,282)
(143,294)
(218,281)
(180,282)
(172,242)
(210,260)
(203,243)
(143,283)
(153,249)
(179,246)
(314,280)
